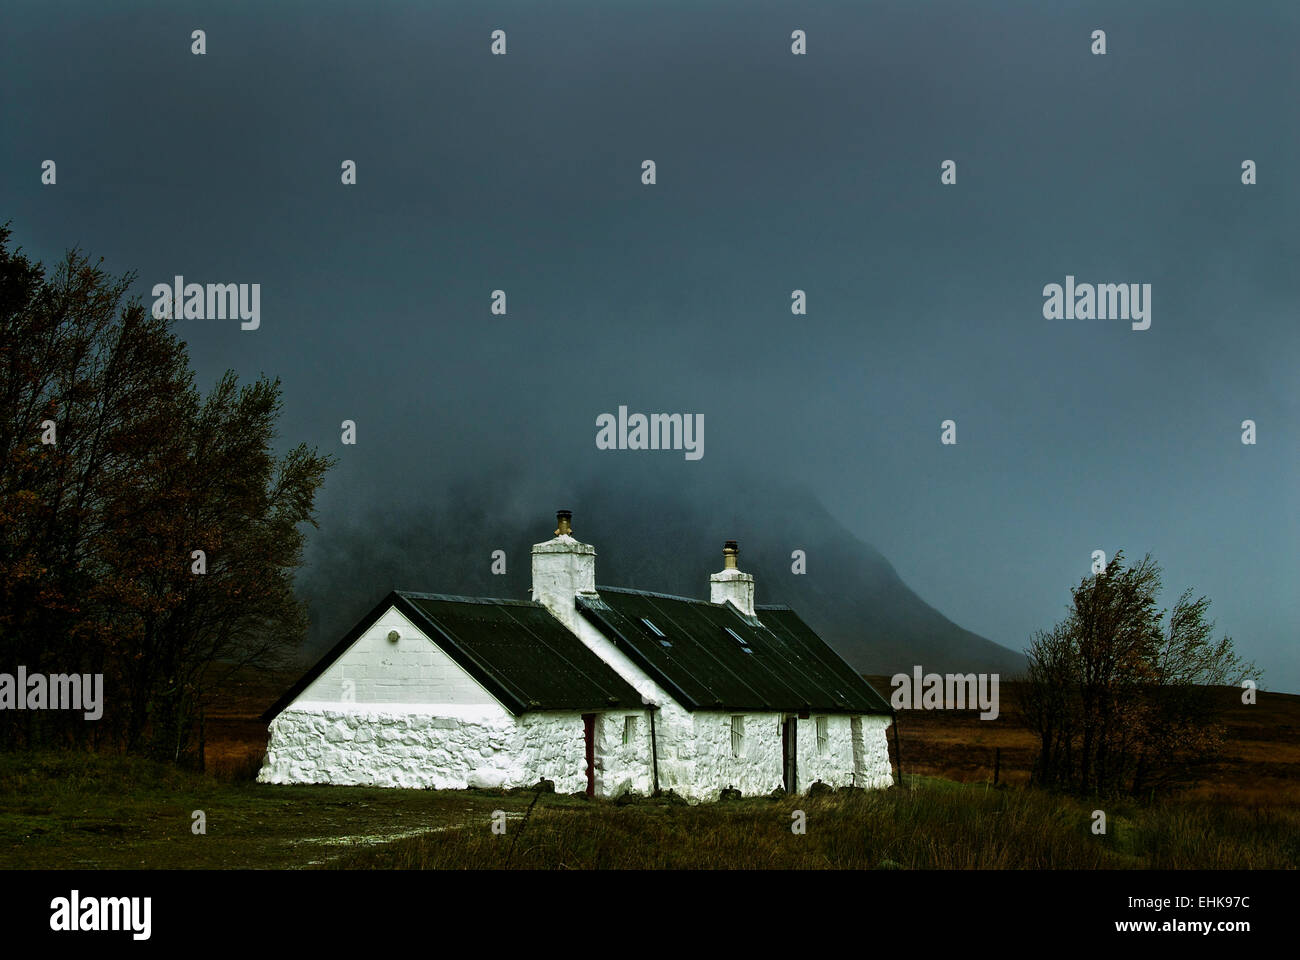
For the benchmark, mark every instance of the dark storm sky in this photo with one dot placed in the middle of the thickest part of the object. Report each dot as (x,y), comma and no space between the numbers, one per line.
(775,172)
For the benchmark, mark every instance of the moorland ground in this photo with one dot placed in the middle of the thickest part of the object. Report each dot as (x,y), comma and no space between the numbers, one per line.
(78,810)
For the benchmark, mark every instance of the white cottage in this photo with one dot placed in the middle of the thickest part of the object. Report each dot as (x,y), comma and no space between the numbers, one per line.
(600,689)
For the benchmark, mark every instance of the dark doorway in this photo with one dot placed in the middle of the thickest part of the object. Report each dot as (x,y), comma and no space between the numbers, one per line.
(589,735)
(790,750)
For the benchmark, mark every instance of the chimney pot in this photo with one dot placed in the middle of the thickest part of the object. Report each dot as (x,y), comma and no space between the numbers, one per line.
(563,526)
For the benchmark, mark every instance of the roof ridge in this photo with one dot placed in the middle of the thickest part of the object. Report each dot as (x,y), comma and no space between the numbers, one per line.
(655,593)
(458,598)
(509,601)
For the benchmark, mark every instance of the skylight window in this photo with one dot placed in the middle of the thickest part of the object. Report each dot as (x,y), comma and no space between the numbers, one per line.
(653,629)
(744,644)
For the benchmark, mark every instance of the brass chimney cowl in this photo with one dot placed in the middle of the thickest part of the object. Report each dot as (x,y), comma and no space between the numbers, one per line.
(730,551)
(563,527)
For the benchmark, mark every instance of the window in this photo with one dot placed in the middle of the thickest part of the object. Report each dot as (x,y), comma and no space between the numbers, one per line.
(744,645)
(823,736)
(629,730)
(663,639)
(737,736)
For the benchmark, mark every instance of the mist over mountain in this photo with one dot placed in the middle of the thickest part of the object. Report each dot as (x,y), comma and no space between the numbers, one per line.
(665,537)
(776,173)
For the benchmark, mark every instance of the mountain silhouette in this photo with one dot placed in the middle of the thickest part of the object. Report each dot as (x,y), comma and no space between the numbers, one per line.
(667,540)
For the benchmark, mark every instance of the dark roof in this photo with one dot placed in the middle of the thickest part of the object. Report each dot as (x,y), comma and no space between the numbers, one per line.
(516,649)
(782,621)
(714,657)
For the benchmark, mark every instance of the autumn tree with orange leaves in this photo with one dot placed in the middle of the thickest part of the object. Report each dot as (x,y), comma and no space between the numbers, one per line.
(148,532)
(1118,693)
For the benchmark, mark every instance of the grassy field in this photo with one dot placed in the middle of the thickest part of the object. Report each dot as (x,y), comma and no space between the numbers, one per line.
(75,810)
(82,811)
(60,810)
(930,824)
(1260,762)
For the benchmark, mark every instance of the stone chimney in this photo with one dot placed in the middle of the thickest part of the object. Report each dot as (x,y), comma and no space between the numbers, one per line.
(730,584)
(563,568)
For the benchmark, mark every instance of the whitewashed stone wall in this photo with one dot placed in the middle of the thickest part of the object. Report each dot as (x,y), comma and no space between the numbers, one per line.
(449,748)
(837,766)
(623,768)
(875,772)
(698,761)
(757,771)
(675,735)
(442,750)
